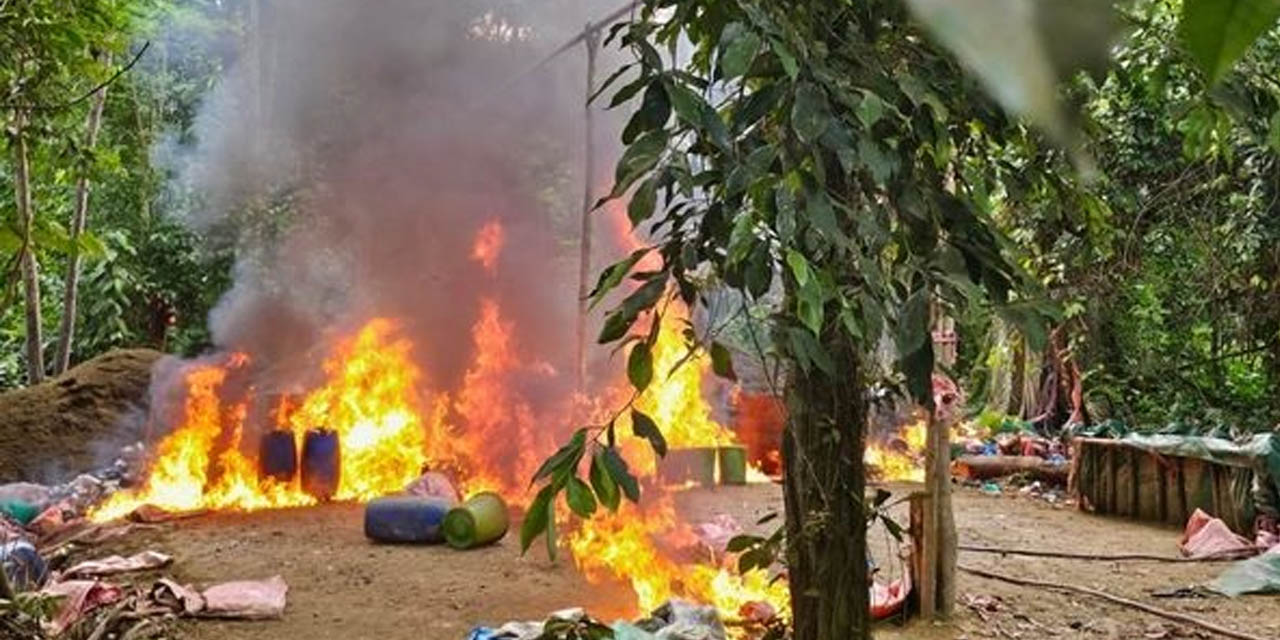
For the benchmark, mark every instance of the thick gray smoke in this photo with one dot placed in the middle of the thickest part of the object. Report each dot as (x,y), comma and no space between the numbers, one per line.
(354,149)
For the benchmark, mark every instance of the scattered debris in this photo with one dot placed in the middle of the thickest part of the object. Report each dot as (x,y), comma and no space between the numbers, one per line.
(23,565)
(1169,615)
(675,620)
(80,597)
(117,564)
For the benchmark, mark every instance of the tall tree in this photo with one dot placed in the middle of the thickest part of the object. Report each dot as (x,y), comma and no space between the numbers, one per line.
(67,330)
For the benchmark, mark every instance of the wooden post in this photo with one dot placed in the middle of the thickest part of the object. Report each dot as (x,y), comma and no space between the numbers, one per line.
(922,562)
(591,38)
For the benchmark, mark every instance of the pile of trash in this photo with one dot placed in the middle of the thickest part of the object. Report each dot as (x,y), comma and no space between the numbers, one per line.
(675,620)
(48,507)
(45,594)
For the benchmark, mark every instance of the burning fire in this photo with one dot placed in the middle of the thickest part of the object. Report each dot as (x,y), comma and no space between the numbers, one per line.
(371,399)
(625,546)
(390,426)
(900,459)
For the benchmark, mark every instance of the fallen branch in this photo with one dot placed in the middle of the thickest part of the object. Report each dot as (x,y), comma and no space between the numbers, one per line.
(987,467)
(1156,611)
(1223,556)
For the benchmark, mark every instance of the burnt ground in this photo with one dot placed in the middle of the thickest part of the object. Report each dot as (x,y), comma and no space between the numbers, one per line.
(342,587)
(77,421)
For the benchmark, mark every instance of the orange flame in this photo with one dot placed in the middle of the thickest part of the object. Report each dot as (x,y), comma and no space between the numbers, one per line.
(370,399)
(900,460)
(488,246)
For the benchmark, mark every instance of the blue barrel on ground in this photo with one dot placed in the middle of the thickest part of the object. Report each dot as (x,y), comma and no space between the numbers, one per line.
(321,463)
(278,456)
(23,565)
(406,519)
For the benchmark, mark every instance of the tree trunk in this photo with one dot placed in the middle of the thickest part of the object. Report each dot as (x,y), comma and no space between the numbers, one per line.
(592,42)
(824,490)
(29,265)
(67,331)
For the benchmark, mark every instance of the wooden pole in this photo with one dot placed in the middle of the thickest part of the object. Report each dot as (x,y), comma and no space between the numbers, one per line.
(592,43)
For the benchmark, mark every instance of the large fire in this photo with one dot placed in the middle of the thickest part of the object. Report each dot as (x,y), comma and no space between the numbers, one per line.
(391,425)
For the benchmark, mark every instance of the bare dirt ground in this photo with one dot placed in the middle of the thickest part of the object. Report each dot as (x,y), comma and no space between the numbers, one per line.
(341,586)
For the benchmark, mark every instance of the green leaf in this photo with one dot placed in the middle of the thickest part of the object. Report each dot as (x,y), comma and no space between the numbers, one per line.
(644,427)
(722,362)
(640,366)
(567,456)
(655,109)
(740,543)
(535,519)
(643,202)
(550,510)
(870,109)
(606,489)
(809,307)
(580,498)
(615,326)
(638,159)
(893,528)
(1219,32)
(786,57)
(882,496)
(611,277)
(740,48)
(811,113)
(621,475)
(757,105)
(646,296)
(799,267)
(694,110)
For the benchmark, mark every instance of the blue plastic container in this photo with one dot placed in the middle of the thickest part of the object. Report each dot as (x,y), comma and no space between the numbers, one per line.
(406,519)
(23,565)
(321,463)
(278,456)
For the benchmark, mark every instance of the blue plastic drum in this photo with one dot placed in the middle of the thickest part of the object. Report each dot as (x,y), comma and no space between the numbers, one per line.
(406,519)
(278,456)
(321,463)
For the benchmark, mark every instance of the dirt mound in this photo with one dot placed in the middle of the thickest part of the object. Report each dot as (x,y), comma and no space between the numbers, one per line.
(75,422)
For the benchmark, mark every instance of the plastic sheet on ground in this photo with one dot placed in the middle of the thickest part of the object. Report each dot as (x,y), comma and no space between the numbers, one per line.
(119,564)
(1209,536)
(243,599)
(80,597)
(1260,574)
(246,599)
